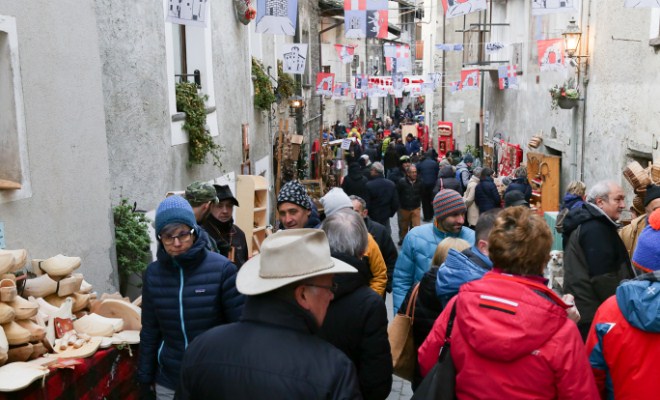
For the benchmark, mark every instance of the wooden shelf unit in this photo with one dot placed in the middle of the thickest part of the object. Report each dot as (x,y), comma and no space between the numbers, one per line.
(252,215)
(547,169)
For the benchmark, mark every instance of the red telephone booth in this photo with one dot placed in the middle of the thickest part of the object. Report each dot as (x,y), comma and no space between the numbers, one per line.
(445,137)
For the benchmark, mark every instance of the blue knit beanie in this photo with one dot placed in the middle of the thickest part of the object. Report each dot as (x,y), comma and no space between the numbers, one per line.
(647,252)
(174,209)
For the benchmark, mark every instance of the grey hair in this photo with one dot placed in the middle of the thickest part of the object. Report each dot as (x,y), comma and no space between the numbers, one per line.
(359,200)
(347,233)
(600,190)
(378,166)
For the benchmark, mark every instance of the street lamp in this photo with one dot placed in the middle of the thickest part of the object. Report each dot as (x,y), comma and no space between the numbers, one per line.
(296,103)
(572,36)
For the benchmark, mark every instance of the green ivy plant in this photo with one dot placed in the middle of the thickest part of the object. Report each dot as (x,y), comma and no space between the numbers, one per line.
(131,240)
(285,83)
(200,142)
(263,88)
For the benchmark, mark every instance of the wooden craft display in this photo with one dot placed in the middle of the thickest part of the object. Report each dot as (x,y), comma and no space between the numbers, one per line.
(543,173)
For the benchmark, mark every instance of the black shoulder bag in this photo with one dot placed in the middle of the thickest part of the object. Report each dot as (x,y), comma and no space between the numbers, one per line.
(440,383)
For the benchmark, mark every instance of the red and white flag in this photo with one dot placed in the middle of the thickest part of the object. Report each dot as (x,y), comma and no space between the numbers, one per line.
(345,53)
(355,5)
(324,83)
(469,79)
(551,54)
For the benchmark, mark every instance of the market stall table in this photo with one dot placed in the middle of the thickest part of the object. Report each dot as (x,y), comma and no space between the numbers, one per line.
(108,374)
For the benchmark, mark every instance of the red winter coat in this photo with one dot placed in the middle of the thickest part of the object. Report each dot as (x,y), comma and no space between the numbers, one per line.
(511,340)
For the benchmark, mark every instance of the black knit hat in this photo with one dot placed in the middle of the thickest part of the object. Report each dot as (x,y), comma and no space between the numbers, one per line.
(652,193)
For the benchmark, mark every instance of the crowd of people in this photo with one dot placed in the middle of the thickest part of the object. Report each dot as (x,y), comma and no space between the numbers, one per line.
(306,317)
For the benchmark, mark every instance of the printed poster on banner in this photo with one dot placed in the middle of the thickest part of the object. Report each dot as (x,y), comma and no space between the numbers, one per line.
(507,77)
(345,53)
(470,79)
(191,13)
(325,83)
(456,8)
(642,4)
(389,50)
(543,7)
(294,56)
(494,47)
(435,78)
(449,46)
(377,23)
(551,54)
(276,17)
(365,18)
(455,86)
(402,58)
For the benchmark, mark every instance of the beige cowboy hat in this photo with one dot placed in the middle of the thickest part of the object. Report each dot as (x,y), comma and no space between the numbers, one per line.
(286,257)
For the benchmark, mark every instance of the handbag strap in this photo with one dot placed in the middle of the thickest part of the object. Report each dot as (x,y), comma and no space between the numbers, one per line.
(450,325)
(410,309)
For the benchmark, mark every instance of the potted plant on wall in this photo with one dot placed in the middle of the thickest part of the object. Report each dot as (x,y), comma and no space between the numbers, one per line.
(131,243)
(565,96)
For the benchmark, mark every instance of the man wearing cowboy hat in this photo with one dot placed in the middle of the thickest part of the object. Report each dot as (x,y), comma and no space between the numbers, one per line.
(229,238)
(273,351)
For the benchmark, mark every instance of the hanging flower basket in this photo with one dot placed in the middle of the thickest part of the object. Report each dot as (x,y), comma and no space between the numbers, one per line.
(244,11)
(566,103)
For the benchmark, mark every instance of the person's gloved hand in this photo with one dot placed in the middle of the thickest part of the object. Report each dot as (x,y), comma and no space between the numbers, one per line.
(147,392)
(573,313)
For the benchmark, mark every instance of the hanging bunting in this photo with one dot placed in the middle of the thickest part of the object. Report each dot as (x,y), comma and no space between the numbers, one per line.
(456,8)
(455,86)
(435,78)
(469,79)
(294,56)
(191,13)
(428,88)
(389,50)
(277,17)
(402,58)
(345,53)
(493,47)
(507,77)
(642,4)
(543,7)
(377,23)
(551,54)
(365,18)
(449,46)
(324,83)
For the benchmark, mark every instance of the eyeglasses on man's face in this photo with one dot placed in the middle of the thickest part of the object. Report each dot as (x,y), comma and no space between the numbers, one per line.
(184,237)
(332,288)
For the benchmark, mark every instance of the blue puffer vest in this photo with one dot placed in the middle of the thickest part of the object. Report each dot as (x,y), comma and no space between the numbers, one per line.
(182,297)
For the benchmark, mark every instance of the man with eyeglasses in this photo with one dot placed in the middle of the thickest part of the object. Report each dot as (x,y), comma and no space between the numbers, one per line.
(186,291)
(273,352)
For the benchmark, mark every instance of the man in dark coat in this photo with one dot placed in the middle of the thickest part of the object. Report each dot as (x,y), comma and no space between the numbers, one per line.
(355,183)
(381,236)
(409,190)
(428,170)
(485,194)
(383,201)
(595,258)
(229,238)
(447,180)
(273,352)
(520,183)
(356,322)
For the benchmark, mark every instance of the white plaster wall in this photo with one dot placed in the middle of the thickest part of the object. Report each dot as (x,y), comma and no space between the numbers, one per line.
(69,209)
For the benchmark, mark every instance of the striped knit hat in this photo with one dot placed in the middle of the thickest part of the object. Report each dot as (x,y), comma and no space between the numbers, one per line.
(447,202)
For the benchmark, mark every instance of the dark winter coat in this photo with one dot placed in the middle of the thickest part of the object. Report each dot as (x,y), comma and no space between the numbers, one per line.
(395,175)
(427,171)
(272,353)
(400,149)
(413,147)
(447,180)
(228,235)
(386,246)
(521,185)
(182,297)
(356,323)
(486,195)
(355,183)
(382,201)
(391,159)
(410,193)
(595,260)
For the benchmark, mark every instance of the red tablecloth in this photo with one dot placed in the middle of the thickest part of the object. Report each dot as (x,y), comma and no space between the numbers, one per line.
(108,374)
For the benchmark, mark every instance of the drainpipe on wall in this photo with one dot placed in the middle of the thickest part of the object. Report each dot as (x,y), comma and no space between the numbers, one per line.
(585,80)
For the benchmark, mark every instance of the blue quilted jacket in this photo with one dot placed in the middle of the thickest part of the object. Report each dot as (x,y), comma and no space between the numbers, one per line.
(182,297)
(416,255)
(460,268)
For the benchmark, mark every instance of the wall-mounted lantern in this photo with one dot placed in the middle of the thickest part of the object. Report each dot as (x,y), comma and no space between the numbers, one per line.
(296,103)
(572,36)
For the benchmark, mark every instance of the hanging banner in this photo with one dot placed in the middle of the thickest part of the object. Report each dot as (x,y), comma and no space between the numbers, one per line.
(365,18)
(455,86)
(191,13)
(402,58)
(389,50)
(469,79)
(294,56)
(551,54)
(543,7)
(642,4)
(435,78)
(493,47)
(507,77)
(449,46)
(276,17)
(345,53)
(456,8)
(324,83)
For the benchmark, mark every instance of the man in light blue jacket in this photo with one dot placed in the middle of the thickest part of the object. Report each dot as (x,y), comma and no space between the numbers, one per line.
(420,243)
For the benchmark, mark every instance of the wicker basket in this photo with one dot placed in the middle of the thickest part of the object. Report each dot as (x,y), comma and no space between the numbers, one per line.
(636,175)
(655,173)
(638,204)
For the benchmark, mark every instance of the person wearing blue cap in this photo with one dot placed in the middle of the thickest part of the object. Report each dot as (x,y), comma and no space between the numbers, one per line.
(185,292)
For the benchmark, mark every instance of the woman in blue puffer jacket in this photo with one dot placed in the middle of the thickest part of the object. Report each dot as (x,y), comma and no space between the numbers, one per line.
(185,292)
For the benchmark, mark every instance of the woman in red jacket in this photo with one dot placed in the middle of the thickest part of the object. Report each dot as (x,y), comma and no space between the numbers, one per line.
(512,338)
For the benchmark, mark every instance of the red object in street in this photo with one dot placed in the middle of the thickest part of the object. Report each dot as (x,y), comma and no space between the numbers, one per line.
(445,138)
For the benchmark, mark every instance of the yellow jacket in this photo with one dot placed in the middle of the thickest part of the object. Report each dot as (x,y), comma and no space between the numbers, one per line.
(378,268)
